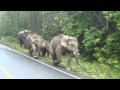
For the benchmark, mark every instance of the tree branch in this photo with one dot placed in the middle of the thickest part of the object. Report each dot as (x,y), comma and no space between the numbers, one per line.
(98,18)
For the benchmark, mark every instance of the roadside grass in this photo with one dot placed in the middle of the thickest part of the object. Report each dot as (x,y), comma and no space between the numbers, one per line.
(13,43)
(93,70)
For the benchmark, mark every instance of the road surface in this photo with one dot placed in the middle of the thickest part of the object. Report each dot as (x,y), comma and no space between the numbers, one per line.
(15,65)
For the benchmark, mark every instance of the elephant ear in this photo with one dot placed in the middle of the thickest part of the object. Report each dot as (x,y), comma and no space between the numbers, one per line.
(32,39)
(43,44)
(64,42)
(70,42)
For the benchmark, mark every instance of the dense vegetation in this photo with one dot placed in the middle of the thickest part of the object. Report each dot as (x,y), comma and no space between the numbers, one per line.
(98,32)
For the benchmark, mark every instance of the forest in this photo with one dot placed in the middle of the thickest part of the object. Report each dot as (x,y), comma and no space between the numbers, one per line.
(98,34)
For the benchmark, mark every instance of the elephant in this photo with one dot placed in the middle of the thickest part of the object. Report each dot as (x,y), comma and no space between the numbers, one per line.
(36,43)
(45,49)
(67,44)
(22,37)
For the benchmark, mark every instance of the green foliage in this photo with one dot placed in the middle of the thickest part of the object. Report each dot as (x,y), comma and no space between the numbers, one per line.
(113,45)
(92,37)
(75,29)
(98,32)
(10,31)
(114,17)
(91,70)
(92,43)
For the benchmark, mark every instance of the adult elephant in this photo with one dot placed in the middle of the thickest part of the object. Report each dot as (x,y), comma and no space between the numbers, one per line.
(22,37)
(61,43)
(36,43)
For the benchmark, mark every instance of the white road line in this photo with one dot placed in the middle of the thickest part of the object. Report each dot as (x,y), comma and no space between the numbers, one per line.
(43,63)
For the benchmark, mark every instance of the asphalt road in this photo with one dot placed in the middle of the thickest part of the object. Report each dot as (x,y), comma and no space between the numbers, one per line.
(15,65)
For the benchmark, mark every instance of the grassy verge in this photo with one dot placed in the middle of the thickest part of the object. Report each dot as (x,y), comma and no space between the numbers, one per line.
(92,70)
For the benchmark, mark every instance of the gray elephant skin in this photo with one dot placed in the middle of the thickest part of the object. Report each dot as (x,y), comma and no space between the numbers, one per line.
(37,45)
(62,43)
(22,37)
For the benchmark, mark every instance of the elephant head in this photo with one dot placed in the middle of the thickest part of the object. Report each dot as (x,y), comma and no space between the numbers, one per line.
(27,32)
(38,40)
(71,44)
(63,42)
(22,36)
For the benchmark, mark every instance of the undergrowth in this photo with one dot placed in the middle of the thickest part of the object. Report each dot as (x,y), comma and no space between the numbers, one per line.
(90,69)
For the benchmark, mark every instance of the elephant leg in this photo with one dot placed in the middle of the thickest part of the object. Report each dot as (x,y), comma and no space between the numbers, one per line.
(39,51)
(25,46)
(54,58)
(58,55)
(34,51)
(39,54)
(20,43)
(68,60)
(43,52)
(30,51)
(24,42)
(47,52)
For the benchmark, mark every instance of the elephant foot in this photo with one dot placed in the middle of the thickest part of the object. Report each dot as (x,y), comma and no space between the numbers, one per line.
(35,57)
(30,55)
(67,68)
(55,63)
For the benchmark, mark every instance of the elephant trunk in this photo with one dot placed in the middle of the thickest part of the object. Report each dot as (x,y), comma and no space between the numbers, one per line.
(76,57)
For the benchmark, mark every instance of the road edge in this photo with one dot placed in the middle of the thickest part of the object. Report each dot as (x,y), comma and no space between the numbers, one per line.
(40,62)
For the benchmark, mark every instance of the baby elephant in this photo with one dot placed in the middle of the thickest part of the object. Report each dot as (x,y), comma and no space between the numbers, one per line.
(61,43)
(36,43)
(45,49)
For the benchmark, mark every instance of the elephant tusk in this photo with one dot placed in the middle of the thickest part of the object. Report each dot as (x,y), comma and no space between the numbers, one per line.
(73,53)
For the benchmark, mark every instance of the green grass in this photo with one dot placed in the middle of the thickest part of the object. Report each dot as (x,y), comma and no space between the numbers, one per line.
(93,70)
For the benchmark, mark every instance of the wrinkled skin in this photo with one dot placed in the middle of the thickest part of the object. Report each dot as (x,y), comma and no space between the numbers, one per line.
(36,43)
(22,37)
(46,49)
(64,44)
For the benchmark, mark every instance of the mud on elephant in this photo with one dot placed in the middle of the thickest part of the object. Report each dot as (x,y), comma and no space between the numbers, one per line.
(37,45)
(61,43)
(22,37)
